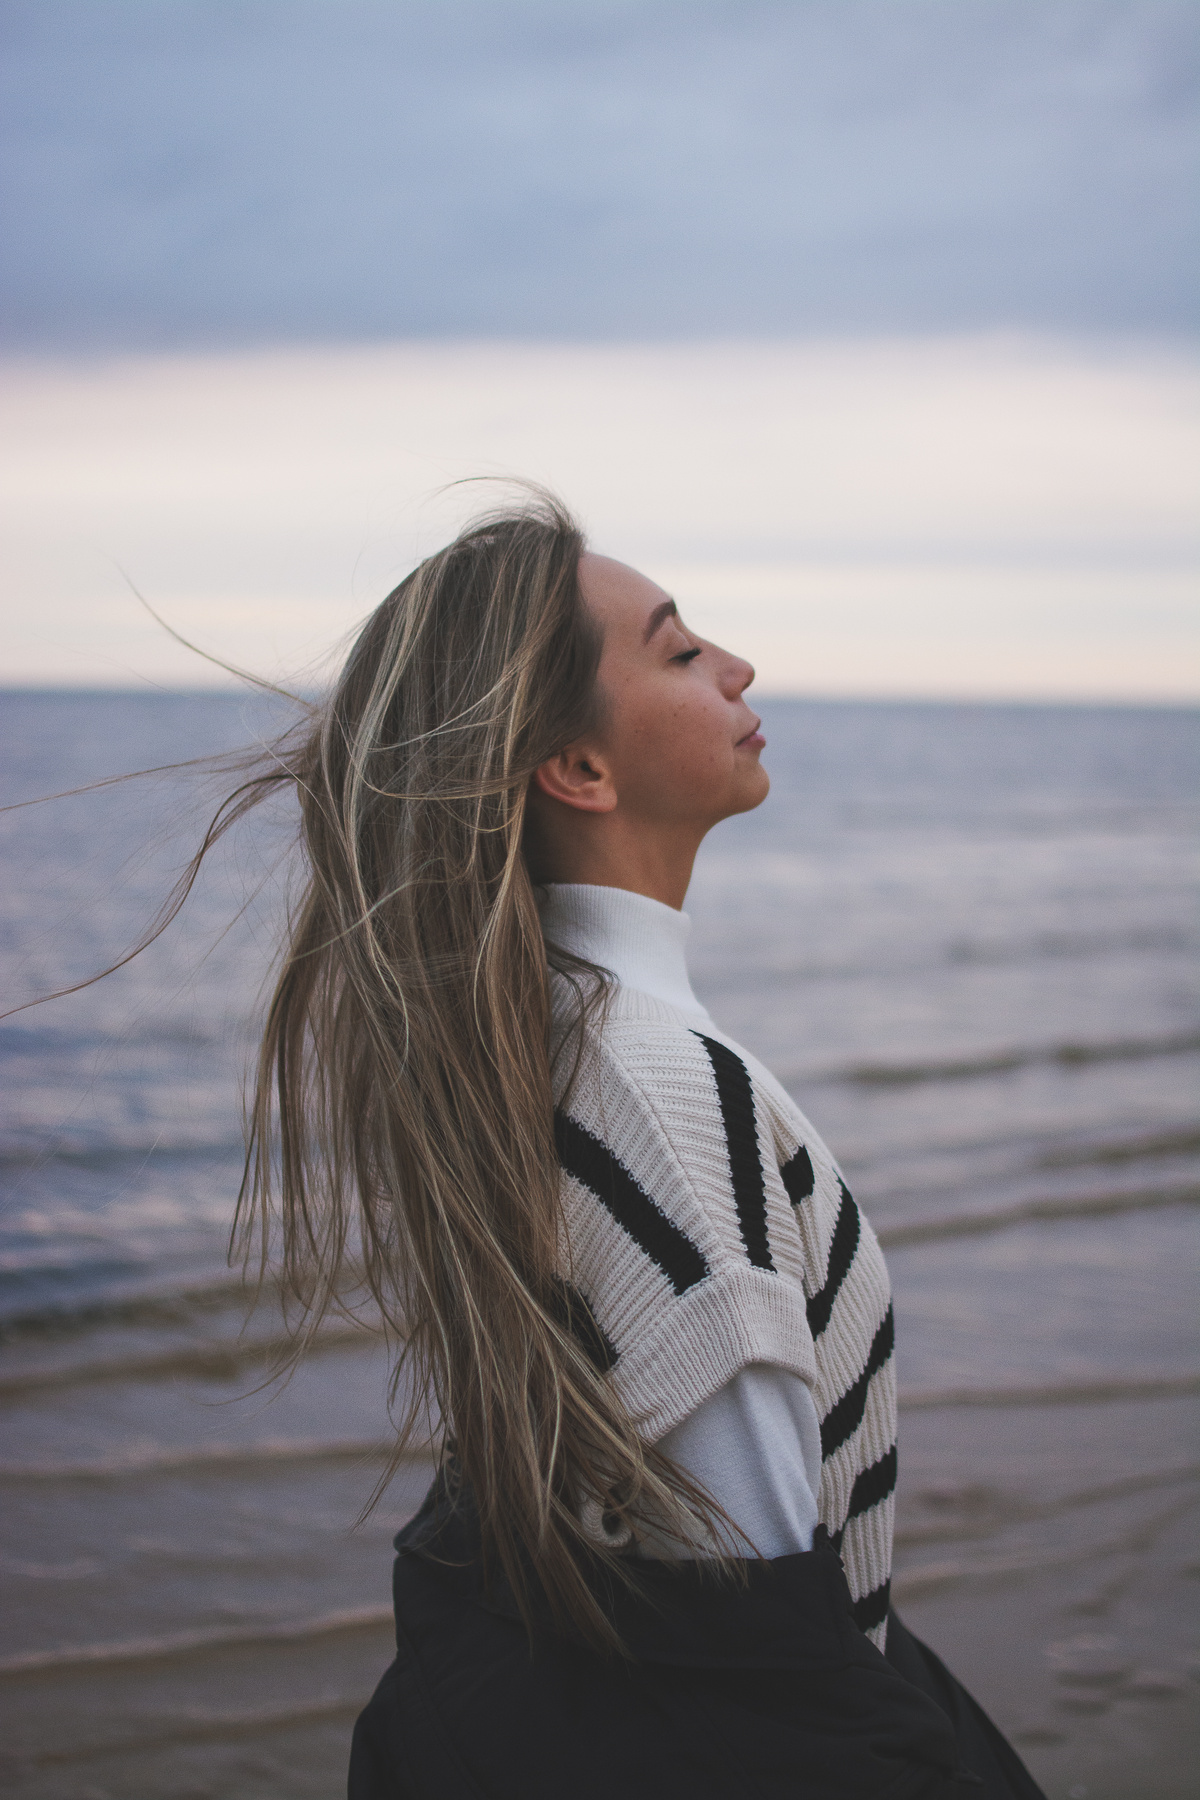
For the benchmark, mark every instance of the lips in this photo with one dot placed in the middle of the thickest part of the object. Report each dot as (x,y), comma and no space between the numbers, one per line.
(753,737)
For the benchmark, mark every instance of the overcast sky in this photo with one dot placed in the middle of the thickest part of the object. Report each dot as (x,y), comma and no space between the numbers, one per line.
(241,172)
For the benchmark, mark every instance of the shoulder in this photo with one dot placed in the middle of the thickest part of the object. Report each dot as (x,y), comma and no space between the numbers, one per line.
(642,1091)
(678,1233)
(645,1061)
(666,1107)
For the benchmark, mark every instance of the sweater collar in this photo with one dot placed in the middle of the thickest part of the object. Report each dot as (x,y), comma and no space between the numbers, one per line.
(640,940)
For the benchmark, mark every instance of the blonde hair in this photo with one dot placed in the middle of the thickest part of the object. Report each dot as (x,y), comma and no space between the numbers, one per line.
(401,1120)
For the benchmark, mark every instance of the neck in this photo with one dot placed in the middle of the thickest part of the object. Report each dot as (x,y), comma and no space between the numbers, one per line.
(611,854)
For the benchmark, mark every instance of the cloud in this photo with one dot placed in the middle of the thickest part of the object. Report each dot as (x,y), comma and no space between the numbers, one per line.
(973,515)
(197,173)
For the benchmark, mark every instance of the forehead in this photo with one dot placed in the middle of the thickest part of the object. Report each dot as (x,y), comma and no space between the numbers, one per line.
(620,599)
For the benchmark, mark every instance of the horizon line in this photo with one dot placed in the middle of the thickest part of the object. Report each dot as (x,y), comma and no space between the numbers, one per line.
(147,690)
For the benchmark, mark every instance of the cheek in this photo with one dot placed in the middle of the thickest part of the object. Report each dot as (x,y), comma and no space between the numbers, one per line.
(683,740)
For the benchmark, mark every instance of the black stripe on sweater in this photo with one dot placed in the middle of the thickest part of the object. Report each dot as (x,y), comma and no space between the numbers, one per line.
(872,1609)
(741,1137)
(872,1486)
(798,1177)
(593,1163)
(844,1418)
(841,1255)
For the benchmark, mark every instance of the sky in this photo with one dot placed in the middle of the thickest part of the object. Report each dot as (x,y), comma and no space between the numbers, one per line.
(868,325)
(199,172)
(232,171)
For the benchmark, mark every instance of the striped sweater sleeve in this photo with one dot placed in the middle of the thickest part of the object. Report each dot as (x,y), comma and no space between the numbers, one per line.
(681,1237)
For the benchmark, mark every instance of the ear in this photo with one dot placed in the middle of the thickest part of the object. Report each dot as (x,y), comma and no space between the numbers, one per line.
(579,777)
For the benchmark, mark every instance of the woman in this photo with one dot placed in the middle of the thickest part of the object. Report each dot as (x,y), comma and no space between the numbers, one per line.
(624,1269)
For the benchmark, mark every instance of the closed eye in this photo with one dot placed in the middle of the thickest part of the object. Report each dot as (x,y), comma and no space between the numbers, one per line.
(686,656)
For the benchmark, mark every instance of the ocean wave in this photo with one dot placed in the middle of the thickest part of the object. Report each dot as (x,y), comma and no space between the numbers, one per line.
(1003,1062)
(22,1040)
(204,1362)
(105,1157)
(931,1578)
(1070,946)
(193,1643)
(181,1305)
(222,1459)
(714,980)
(1162,1143)
(150,1297)
(79,1570)
(1104,1390)
(991,1512)
(1023,1212)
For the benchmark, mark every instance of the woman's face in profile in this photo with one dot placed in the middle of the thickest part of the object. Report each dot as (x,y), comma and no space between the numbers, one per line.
(681,742)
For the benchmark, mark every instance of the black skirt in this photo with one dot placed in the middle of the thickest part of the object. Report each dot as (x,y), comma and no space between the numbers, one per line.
(763,1691)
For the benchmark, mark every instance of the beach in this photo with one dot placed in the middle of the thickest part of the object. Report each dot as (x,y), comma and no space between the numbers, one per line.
(965,939)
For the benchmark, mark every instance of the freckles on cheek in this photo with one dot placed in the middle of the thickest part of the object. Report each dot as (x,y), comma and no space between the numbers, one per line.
(656,749)
(697,749)
(671,744)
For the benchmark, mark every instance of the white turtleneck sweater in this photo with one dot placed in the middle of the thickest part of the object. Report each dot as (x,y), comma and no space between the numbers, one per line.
(754,1445)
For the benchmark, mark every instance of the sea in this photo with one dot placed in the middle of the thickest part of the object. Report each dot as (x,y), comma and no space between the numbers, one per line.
(964,936)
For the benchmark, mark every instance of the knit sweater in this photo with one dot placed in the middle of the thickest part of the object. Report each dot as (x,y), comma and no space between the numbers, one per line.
(709,1230)
(755,1445)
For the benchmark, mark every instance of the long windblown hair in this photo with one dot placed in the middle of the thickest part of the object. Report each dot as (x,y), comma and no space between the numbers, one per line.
(401,1117)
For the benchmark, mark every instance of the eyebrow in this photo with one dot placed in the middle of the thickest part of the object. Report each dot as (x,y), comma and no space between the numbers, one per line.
(665,609)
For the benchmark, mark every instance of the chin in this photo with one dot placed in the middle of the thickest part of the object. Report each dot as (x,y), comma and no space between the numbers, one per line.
(753,792)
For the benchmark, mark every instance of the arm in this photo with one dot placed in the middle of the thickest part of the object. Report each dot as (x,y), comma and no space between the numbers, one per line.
(755,1445)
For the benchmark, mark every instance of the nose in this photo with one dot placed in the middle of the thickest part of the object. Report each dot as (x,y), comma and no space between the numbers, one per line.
(739,675)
